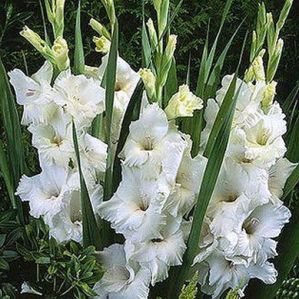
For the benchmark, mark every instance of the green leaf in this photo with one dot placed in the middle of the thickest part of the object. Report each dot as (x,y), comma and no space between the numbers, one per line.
(190,291)
(15,150)
(91,233)
(109,100)
(132,109)
(4,264)
(171,86)
(146,47)
(79,63)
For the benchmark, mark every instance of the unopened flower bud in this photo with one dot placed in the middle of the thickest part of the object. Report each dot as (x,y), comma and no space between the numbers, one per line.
(183,103)
(60,52)
(34,39)
(258,69)
(102,44)
(149,81)
(269,94)
(171,45)
(99,28)
(152,32)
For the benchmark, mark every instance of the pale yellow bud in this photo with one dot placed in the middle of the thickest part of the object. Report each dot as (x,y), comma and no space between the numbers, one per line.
(183,103)
(258,69)
(149,81)
(34,39)
(171,45)
(60,52)
(269,94)
(102,44)
(152,32)
(279,46)
(99,28)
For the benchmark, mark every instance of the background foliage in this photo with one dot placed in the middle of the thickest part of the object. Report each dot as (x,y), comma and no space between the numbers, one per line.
(191,25)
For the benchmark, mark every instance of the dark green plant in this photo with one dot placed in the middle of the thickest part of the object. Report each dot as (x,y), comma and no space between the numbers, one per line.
(62,270)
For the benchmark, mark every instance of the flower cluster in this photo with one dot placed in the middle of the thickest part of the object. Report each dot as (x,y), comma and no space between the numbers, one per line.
(49,110)
(245,213)
(159,186)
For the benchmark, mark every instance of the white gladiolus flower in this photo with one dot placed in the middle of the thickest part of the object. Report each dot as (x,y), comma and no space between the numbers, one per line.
(158,254)
(47,191)
(224,274)
(54,141)
(183,103)
(236,181)
(257,227)
(278,175)
(263,141)
(187,182)
(126,82)
(135,210)
(122,280)
(152,142)
(94,153)
(35,94)
(82,98)
(67,224)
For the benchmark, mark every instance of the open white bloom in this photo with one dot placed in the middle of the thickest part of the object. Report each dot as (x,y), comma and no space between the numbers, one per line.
(257,228)
(67,224)
(94,153)
(35,94)
(47,191)
(135,210)
(81,97)
(54,141)
(183,103)
(278,175)
(220,273)
(158,254)
(237,181)
(187,182)
(263,140)
(122,280)
(249,97)
(126,82)
(153,144)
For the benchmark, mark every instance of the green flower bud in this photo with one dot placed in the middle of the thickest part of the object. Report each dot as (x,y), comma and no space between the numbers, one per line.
(99,28)
(152,33)
(34,39)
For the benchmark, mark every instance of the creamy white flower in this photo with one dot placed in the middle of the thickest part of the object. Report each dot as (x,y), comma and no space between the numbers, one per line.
(183,103)
(153,144)
(94,153)
(83,98)
(158,254)
(47,191)
(278,174)
(121,279)
(224,274)
(257,227)
(249,97)
(238,184)
(35,94)
(54,141)
(187,184)
(126,82)
(263,140)
(67,224)
(135,210)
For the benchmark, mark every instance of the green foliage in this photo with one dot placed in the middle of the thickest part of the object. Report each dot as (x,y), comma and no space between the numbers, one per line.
(190,291)
(67,271)
(289,289)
